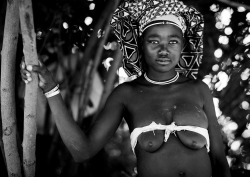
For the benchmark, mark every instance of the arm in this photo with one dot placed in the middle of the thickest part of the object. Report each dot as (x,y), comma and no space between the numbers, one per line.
(80,145)
(217,155)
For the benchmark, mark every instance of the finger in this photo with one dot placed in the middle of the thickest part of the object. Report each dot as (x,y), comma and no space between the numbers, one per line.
(40,63)
(25,78)
(29,79)
(25,81)
(25,75)
(23,70)
(23,58)
(34,68)
(41,84)
(41,78)
(29,67)
(22,65)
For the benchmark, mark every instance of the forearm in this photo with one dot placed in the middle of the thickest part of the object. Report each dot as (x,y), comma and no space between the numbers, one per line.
(80,146)
(73,137)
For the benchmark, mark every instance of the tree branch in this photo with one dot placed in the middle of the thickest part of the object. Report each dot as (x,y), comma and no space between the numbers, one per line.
(8,102)
(234,4)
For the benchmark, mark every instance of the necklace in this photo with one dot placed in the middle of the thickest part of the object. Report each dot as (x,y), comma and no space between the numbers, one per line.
(172,80)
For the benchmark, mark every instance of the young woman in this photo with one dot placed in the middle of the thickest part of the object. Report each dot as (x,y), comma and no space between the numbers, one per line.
(174,130)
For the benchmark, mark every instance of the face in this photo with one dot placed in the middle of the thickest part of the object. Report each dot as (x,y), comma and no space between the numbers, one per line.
(162,46)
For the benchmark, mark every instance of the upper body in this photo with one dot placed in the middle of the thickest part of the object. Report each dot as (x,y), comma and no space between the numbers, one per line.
(186,102)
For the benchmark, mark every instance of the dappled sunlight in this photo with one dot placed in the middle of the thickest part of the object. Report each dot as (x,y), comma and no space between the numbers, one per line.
(229,80)
(246,132)
(64,31)
(92,6)
(228,30)
(223,40)
(235,145)
(218,53)
(88,20)
(106,63)
(222,82)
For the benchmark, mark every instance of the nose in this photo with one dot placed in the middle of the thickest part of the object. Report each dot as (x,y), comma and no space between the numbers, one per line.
(163,49)
(163,52)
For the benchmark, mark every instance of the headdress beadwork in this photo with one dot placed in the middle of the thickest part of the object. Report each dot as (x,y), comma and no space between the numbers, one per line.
(130,19)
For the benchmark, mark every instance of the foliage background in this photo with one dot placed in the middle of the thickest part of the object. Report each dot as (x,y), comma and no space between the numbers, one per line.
(62,36)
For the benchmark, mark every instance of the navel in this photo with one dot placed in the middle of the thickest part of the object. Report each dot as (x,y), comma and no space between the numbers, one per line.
(182,174)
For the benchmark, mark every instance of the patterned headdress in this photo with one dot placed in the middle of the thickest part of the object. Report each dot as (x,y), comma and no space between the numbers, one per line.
(132,17)
(175,20)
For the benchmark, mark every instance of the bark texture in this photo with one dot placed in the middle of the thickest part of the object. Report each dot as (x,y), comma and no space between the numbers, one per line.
(31,91)
(8,104)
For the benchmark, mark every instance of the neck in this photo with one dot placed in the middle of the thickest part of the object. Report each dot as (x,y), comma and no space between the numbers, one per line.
(161,76)
(165,82)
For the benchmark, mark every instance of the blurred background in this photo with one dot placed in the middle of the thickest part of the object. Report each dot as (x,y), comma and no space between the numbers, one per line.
(77,45)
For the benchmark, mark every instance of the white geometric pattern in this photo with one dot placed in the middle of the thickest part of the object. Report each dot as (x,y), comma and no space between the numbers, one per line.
(129,17)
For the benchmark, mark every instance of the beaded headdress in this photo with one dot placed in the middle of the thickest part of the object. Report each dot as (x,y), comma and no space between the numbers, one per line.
(132,17)
(162,17)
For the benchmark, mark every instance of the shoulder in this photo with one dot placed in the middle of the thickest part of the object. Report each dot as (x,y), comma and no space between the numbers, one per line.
(205,92)
(195,82)
(203,87)
(125,89)
(122,89)
(200,87)
(198,84)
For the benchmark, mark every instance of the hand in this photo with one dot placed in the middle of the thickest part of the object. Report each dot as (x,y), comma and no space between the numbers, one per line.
(46,81)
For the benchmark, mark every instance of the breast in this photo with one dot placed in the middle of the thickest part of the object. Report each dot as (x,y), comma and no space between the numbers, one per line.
(151,141)
(182,115)
(188,114)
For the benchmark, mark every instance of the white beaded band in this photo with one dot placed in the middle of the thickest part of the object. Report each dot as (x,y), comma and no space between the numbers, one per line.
(53,94)
(53,91)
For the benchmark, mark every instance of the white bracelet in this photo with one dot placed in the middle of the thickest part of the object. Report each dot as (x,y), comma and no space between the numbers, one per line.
(53,93)
(52,90)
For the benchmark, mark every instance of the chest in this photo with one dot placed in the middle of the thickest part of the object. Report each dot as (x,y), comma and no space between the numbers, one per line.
(162,104)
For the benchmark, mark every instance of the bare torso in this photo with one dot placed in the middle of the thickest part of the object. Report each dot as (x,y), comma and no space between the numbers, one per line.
(174,160)
(184,153)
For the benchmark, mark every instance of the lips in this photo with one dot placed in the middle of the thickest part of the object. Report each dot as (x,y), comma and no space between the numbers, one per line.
(163,61)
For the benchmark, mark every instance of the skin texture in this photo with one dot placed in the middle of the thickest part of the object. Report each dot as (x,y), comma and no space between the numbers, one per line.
(162,51)
(186,102)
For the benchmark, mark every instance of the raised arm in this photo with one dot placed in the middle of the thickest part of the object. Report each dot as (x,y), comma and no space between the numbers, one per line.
(217,153)
(80,145)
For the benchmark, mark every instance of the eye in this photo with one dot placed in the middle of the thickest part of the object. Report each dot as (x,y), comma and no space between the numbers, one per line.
(153,41)
(173,42)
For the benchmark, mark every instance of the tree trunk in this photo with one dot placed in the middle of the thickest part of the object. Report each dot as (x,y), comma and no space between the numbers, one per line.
(8,105)
(89,76)
(102,24)
(109,84)
(30,107)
